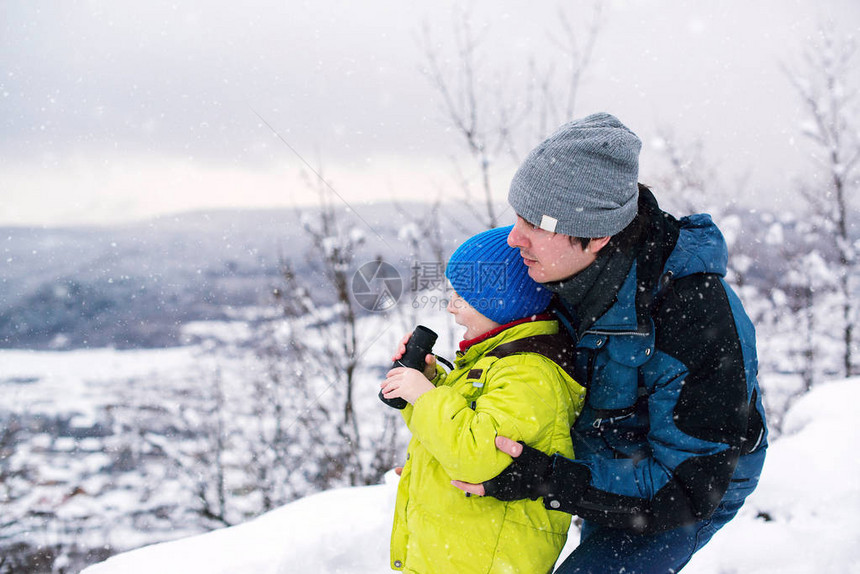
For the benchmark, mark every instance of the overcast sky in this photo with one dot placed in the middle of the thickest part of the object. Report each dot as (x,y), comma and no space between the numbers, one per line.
(118,110)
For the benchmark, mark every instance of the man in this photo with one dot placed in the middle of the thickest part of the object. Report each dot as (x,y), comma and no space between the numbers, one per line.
(673,436)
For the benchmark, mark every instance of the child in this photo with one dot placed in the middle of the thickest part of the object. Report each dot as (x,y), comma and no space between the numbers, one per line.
(503,384)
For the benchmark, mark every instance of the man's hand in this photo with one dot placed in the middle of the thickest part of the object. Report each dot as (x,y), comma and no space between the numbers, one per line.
(510,447)
(526,477)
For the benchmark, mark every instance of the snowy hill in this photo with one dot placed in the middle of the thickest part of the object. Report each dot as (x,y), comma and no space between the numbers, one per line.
(803,517)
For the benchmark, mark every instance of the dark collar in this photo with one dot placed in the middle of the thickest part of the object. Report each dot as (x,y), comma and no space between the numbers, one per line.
(589,295)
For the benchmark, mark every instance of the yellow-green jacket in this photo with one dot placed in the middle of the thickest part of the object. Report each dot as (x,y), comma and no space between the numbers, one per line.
(437,528)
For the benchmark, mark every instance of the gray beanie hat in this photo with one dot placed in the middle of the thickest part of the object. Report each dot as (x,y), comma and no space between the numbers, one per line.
(582,181)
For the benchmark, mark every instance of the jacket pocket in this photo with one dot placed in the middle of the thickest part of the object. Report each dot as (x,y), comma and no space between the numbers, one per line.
(614,387)
(615,372)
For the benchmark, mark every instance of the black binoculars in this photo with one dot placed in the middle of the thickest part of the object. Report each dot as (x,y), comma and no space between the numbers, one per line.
(420,343)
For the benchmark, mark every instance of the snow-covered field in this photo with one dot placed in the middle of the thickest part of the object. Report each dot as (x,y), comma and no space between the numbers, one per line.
(76,472)
(90,467)
(112,449)
(802,518)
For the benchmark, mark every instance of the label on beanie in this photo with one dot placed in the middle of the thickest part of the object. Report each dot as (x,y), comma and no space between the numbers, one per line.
(548,223)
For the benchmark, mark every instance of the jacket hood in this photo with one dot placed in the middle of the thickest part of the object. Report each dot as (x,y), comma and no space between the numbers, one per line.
(671,248)
(701,248)
(692,244)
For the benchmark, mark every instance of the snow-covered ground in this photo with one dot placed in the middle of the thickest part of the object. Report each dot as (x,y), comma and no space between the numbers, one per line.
(802,518)
(74,473)
(106,450)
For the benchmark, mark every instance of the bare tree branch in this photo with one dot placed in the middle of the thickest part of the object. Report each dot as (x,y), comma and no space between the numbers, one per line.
(493,119)
(822,84)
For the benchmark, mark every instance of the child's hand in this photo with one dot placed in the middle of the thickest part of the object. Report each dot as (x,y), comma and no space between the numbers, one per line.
(407,384)
(429,360)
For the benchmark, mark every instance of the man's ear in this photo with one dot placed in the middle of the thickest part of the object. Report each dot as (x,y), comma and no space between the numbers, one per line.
(597,243)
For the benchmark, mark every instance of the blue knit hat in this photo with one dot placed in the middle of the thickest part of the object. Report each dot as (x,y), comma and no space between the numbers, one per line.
(491,276)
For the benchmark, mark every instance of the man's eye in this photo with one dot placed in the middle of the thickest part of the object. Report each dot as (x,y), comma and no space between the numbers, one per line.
(528,226)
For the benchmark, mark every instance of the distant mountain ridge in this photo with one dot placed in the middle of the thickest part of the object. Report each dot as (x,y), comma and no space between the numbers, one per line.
(135,285)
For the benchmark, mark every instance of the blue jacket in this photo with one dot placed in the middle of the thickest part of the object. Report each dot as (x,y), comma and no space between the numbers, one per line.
(673,403)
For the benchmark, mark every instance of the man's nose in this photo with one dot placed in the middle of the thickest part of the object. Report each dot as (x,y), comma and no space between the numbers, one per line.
(516,237)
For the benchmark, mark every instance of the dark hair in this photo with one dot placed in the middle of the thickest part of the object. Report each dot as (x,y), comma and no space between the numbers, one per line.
(584,241)
(625,240)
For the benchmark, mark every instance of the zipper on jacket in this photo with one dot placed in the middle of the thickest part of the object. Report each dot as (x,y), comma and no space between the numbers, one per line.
(597,422)
(608,332)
